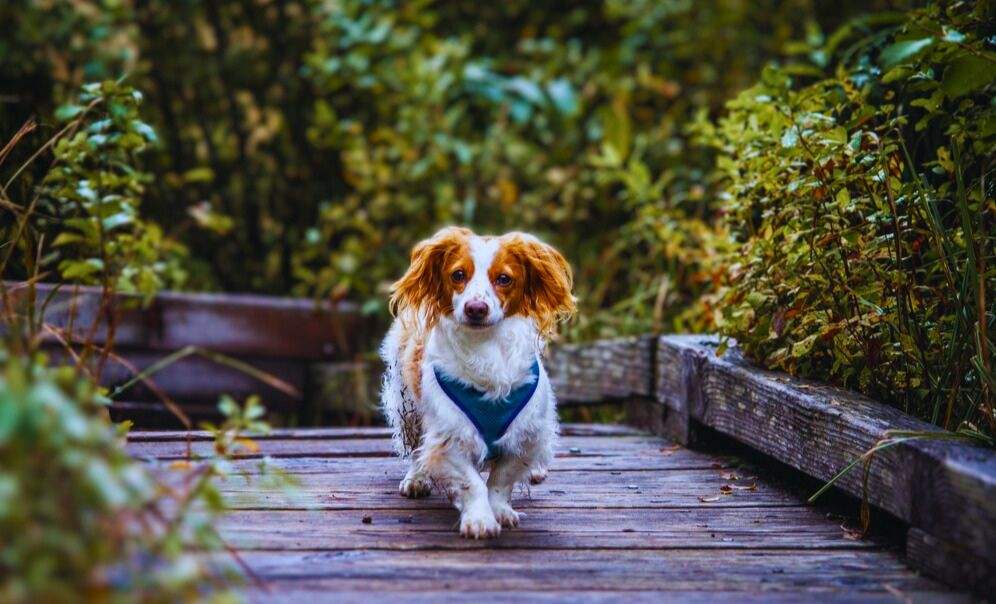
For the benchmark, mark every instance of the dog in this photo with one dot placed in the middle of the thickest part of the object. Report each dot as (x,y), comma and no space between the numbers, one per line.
(464,387)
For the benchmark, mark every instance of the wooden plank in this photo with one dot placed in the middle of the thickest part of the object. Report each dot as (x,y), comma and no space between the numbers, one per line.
(406,529)
(392,466)
(950,562)
(338,433)
(238,324)
(196,380)
(580,446)
(292,592)
(596,569)
(601,371)
(564,489)
(946,488)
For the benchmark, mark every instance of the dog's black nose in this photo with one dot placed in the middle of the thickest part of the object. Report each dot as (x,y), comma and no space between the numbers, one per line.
(476,310)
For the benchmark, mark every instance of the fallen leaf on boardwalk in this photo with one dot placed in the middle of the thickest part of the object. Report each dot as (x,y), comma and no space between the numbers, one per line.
(745,487)
(368,519)
(670,450)
(249,444)
(853,534)
(726,489)
(729,476)
(709,499)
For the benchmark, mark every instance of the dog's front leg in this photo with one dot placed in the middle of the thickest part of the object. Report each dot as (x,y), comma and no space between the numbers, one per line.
(505,474)
(462,483)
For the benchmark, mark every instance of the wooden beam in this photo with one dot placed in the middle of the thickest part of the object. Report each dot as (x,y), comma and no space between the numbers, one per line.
(236,324)
(607,370)
(944,488)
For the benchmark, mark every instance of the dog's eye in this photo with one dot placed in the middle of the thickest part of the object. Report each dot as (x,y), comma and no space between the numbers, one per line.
(458,276)
(503,280)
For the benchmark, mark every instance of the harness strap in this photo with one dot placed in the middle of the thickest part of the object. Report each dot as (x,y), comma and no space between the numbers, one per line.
(491,417)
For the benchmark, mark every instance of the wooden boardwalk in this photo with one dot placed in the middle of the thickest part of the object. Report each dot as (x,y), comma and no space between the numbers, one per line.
(623,516)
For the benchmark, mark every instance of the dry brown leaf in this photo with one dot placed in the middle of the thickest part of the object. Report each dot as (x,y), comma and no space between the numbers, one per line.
(670,450)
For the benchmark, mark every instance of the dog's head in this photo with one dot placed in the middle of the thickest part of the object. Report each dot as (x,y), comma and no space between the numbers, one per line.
(479,281)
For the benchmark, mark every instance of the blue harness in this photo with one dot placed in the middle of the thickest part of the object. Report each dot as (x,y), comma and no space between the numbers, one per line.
(491,417)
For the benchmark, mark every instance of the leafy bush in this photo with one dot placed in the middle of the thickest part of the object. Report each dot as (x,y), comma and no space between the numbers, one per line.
(82,206)
(318,141)
(859,190)
(81,519)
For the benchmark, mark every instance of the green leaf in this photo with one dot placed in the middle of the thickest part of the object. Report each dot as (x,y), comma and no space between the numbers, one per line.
(116,220)
(199,174)
(78,269)
(67,112)
(901,51)
(67,239)
(967,74)
(562,93)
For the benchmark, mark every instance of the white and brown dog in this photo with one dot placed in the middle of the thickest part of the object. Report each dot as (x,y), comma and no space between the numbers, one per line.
(465,388)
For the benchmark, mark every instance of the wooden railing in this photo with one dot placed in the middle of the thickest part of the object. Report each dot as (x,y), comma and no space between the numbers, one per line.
(282,337)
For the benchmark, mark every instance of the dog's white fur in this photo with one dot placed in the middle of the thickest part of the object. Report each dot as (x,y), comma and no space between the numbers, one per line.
(495,359)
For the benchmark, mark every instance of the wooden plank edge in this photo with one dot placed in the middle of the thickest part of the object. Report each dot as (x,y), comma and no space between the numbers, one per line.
(938,487)
(337,433)
(234,324)
(602,371)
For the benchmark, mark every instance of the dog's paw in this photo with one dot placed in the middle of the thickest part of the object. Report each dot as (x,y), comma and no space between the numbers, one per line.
(505,515)
(479,525)
(537,475)
(414,487)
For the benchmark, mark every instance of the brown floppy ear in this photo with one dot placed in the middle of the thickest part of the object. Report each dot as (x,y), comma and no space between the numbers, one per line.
(422,289)
(547,296)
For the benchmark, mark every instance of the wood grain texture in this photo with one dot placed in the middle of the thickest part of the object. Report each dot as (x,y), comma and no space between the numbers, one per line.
(656,521)
(601,371)
(578,446)
(950,562)
(238,324)
(563,489)
(946,488)
(491,569)
(429,529)
(293,592)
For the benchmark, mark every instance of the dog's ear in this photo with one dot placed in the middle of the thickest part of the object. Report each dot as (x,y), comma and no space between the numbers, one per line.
(423,289)
(547,296)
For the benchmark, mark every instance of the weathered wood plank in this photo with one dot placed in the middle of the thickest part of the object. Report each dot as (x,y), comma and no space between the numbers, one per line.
(196,380)
(680,459)
(601,371)
(943,487)
(564,489)
(406,529)
(337,433)
(584,446)
(950,562)
(527,569)
(292,592)
(238,324)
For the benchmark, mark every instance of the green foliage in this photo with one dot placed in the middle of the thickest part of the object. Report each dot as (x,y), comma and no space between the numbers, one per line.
(81,220)
(80,519)
(317,142)
(861,200)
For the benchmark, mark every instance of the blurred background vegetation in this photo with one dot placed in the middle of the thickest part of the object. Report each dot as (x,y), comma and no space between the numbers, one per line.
(813,179)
